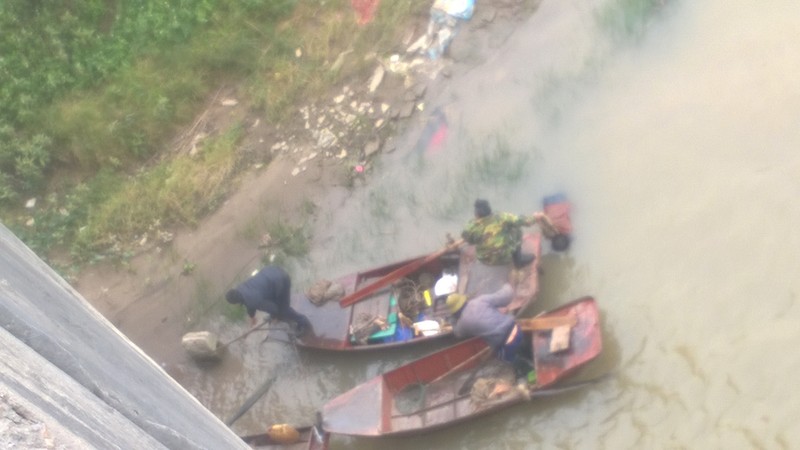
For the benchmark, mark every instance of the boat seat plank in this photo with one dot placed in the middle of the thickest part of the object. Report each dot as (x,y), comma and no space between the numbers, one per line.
(547,323)
(377,306)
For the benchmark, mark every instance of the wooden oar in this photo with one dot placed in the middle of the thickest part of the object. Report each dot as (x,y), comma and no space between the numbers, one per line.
(394,275)
(466,386)
(418,391)
(462,364)
(567,387)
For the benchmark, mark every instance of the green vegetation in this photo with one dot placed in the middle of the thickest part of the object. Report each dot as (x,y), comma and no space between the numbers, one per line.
(188,268)
(287,242)
(625,19)
(233,313)
(497,161)
(92,93)
(208,302)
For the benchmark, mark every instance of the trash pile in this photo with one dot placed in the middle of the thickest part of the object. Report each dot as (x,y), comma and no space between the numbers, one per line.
(336,129)
(446,16)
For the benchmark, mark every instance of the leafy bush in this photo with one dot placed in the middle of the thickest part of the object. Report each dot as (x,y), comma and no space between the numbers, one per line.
(51,48)
(56,223)
(91,91)
(22,162)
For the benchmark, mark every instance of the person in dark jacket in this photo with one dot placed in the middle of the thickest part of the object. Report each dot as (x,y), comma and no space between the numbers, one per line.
(481,316)
(269,291)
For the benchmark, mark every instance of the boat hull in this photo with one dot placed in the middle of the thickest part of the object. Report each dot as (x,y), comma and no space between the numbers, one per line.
(333,325)
(427,393)
(309,438)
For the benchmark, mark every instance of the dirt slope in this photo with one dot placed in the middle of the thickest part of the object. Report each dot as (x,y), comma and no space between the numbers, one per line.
(150,301)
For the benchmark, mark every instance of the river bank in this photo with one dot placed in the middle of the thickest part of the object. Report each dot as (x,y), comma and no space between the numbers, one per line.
(170,287)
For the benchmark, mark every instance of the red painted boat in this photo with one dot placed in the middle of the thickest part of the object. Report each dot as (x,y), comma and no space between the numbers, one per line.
(428,393)
(309,438)
(342,328)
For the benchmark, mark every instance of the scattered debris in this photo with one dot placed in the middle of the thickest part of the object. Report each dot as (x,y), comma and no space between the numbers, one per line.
(377,78)
(434,134)
(340,60)
(446,15)
(326,138)
(356,121)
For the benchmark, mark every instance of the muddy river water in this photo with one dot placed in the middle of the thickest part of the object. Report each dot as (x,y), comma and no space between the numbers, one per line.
(678,146)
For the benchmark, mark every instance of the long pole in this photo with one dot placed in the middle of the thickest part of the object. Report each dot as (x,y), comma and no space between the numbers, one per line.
(462,364)
(396,274)
(244,335)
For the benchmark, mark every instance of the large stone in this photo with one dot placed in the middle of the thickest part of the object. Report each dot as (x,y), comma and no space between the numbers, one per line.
(201,344)
(406,110)
(372,147)
(326,138)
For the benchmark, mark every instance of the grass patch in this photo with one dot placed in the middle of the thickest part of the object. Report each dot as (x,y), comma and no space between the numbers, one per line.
(210,303)
(310,43)
(125,122)
(203,305)
(233,313)
(492,165)
(98,219)
(626,19)
(286,242)
(379,205)
(497,163)
(291,240)
(180,190)
(105,137)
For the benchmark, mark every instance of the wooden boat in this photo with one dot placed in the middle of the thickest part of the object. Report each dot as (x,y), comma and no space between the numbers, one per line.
(309,438)
(383,318)
(428,393)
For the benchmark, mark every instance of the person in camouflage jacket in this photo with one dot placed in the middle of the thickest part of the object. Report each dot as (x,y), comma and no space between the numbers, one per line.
(498,237)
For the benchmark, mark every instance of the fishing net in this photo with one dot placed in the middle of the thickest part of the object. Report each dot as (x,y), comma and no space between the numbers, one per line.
(324,290)
(453,386)
(365,325)
(491,381)
(410,294)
